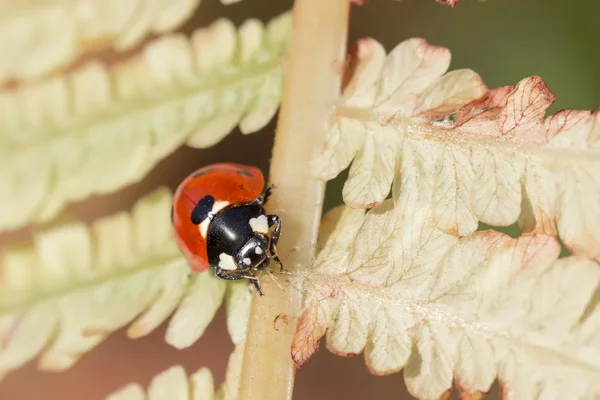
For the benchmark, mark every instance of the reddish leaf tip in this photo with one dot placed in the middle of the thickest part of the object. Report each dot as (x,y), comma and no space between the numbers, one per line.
(450,3)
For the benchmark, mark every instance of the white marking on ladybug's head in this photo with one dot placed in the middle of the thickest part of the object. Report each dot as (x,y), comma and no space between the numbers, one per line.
(258,250)
(226,262)
(246,261)
(219,205)
(259,224)
(203,227)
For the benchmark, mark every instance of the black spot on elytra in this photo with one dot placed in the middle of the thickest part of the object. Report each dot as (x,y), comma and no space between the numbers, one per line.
(242,172)
(202,172)
(202,209)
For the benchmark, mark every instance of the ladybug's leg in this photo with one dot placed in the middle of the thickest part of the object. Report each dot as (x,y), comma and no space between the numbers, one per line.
(254,280)
(257,286)
(262,200)
(273,219)
(232,275)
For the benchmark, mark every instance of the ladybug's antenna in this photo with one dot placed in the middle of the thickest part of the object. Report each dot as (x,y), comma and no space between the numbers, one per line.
(288,253)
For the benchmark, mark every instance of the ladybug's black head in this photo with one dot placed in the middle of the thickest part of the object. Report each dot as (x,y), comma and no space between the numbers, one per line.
(254,253)
(203,210)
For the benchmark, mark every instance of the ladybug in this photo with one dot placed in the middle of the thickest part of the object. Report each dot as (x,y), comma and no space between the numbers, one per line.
(219,220)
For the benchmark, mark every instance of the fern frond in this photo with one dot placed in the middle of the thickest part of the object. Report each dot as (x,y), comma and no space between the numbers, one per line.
(173,383)
(41,36)
(472,155)
(390,283)
(74,285)
(100,128)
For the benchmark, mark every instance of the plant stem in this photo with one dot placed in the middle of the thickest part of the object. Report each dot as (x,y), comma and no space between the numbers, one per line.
(312,86)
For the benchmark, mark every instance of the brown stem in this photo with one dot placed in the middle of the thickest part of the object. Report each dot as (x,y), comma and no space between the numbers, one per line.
(312,86)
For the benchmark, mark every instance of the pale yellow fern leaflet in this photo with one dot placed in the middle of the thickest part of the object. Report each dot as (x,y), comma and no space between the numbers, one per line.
(64,294)
(41,36)
(470,154)
(173,383)
(98,129)
(443,308)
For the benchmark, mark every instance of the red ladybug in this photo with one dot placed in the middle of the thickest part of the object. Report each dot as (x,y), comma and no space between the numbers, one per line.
(219,220)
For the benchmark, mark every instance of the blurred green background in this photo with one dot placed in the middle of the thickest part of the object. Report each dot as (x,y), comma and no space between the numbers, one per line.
(503,40)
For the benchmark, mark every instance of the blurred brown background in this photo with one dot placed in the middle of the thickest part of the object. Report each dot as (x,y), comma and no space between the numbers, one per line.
(503,40)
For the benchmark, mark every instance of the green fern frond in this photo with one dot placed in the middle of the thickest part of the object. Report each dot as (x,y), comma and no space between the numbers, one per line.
(173,383)
(47,35)
(100,128)
(65,293)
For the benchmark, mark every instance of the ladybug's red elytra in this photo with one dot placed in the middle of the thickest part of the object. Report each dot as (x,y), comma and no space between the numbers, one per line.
(219,221)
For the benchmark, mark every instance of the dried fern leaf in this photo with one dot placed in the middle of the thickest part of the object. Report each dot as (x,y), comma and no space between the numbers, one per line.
(98,129)
(393,285)
(173,383)
(64,294)
(42,36)
(470,154)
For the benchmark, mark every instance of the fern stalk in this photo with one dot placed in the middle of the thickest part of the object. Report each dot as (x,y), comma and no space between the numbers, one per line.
(313,78)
